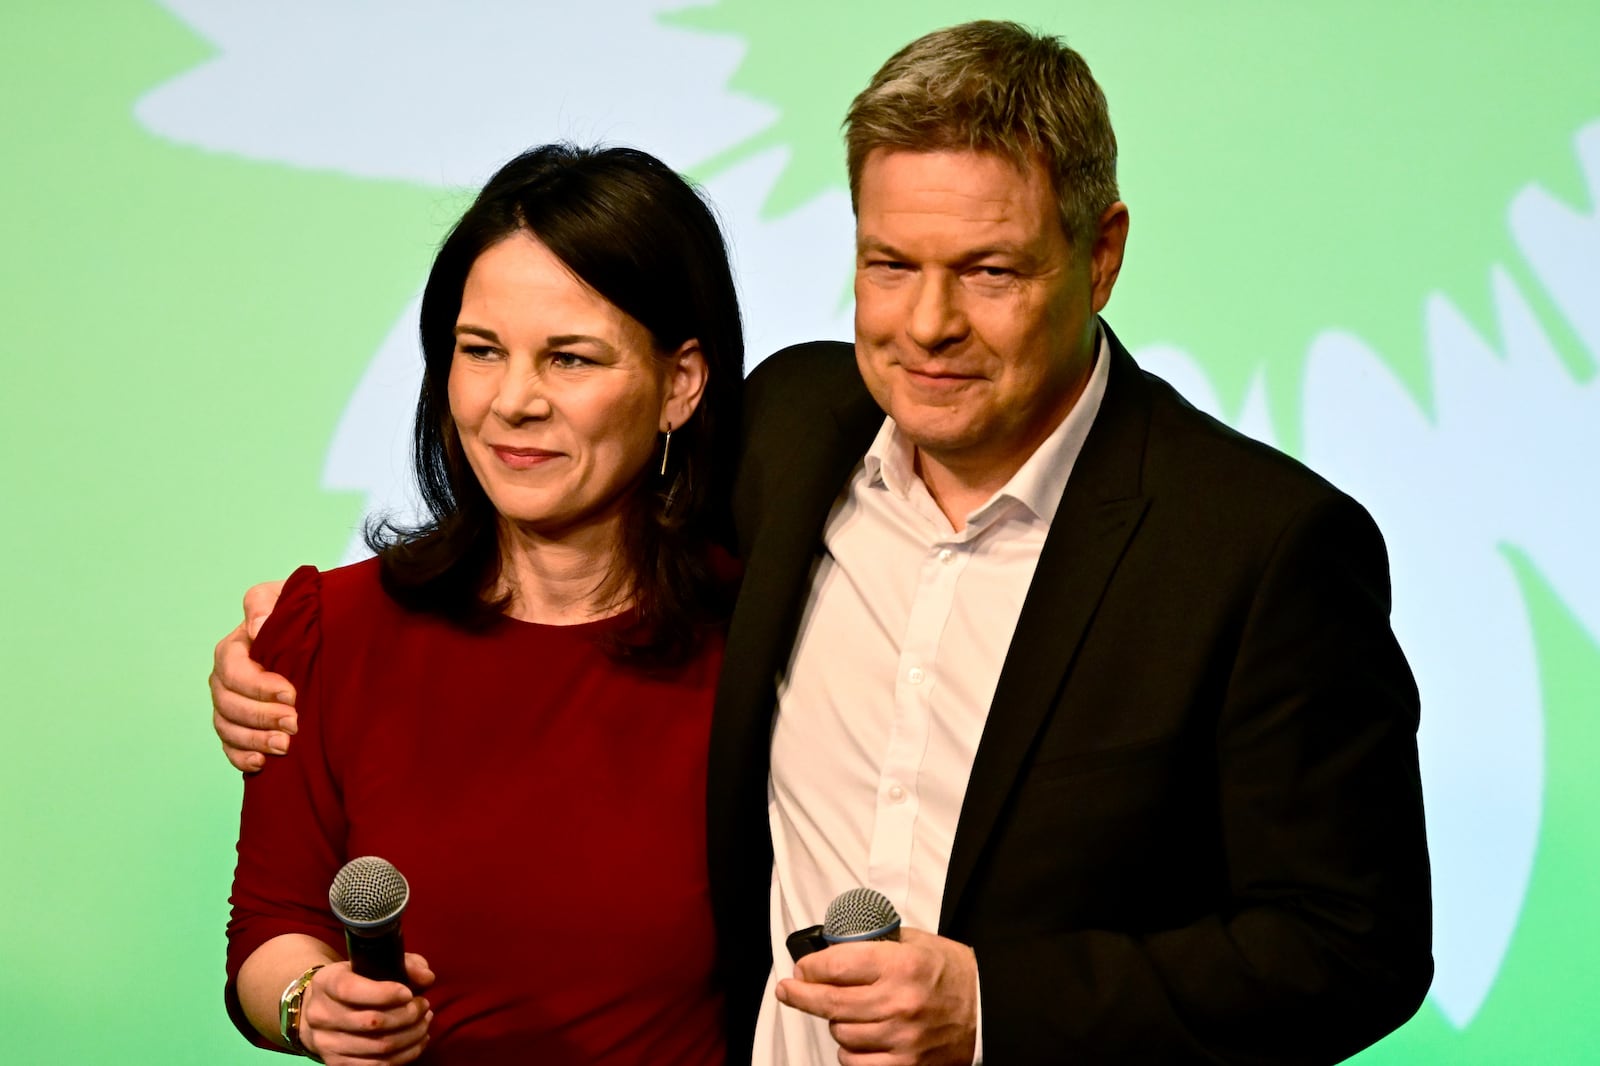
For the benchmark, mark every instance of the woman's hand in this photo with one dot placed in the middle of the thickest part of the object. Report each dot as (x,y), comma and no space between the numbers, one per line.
(346,1019)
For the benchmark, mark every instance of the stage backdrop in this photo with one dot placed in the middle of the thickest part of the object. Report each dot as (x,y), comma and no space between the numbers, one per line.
(1366,232)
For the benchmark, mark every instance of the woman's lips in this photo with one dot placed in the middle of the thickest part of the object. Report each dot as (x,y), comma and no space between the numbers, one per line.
(523,458)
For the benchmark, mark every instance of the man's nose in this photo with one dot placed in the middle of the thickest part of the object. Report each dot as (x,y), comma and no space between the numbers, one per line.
(937,317)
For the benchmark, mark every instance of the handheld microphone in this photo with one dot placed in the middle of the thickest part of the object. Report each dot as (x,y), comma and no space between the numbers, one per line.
(857,915)
(860,914)
(368,896)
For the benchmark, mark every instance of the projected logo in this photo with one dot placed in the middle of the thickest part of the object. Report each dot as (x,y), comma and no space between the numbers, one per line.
(1486,468)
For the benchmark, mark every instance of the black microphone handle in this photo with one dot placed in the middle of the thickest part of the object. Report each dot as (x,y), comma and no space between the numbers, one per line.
(377,954)
(803,942)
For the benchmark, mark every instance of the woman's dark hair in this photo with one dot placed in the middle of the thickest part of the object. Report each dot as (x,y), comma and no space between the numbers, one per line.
(642,237)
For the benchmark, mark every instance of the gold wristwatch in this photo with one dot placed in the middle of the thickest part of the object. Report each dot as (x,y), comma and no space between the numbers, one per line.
(289,1012)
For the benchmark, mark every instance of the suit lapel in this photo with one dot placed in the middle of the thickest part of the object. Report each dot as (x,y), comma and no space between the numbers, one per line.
(1100,510)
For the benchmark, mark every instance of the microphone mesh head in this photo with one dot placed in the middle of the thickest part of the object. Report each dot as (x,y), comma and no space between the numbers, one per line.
(860,910)
(368,891)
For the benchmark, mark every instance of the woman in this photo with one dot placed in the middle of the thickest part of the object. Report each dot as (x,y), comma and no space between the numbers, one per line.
(511,703)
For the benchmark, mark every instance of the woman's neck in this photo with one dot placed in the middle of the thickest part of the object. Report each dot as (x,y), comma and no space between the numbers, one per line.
(575,578)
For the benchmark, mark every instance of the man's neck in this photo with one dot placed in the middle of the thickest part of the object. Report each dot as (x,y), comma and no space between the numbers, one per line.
(962,482)
(960,492)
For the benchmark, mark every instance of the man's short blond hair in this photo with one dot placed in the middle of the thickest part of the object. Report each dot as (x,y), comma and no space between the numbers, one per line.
(994,87)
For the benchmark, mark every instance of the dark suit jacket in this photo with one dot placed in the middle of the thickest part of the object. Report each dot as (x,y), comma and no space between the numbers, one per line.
(1193,830)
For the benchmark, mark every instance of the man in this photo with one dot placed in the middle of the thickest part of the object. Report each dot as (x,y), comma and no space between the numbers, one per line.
(1096,689)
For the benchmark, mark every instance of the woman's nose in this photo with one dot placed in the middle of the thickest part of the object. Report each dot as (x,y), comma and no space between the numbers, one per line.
(521,396)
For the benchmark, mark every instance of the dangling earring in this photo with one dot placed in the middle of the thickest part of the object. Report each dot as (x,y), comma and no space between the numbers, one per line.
(666,446)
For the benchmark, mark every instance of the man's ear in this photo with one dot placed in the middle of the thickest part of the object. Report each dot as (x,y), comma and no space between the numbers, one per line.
(687,374)
(1105,258)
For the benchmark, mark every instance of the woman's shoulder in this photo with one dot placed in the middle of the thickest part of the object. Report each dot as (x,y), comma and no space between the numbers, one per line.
(314,603)
(356,588)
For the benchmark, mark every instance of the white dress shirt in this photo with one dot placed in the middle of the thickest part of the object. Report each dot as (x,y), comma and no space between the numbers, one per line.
(906,626)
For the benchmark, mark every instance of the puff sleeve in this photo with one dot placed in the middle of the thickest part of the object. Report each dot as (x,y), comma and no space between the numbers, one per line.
(292,826)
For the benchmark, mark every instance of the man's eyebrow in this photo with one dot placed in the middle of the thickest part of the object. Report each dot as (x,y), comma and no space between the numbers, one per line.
(874,244)
(1009,249)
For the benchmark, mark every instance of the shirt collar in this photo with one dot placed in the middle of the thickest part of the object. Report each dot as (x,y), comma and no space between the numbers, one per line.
(1037,484)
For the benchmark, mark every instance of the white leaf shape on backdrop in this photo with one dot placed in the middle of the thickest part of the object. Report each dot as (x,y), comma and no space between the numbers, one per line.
(442,93)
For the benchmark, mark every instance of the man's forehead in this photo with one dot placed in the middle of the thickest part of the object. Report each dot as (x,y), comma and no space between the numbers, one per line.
(894,158)
(902,189)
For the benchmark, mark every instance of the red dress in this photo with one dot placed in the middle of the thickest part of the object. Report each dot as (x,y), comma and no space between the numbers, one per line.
(546,806)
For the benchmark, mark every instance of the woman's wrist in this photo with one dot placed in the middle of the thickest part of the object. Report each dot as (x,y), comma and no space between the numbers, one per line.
(290,1006)
(266,974)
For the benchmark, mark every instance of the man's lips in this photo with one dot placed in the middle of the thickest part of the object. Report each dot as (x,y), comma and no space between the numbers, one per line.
(936,377)
(523,458)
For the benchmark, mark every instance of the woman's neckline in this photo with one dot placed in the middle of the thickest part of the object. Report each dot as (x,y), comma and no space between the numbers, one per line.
(592,627)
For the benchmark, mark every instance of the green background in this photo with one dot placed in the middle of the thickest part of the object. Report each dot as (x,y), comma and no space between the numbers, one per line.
(183,329)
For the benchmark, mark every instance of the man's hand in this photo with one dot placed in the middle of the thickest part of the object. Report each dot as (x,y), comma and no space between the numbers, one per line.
(892,1004)
(252,710)
(349,1019)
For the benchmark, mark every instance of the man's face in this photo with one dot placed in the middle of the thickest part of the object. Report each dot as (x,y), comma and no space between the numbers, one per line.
(975,324)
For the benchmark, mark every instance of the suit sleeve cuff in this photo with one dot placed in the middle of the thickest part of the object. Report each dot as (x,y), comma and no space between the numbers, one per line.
(977,1041)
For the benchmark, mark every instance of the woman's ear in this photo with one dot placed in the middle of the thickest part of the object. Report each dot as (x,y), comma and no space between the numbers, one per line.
(687,374)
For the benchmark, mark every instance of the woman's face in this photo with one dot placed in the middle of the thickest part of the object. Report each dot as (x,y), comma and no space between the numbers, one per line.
(558,396)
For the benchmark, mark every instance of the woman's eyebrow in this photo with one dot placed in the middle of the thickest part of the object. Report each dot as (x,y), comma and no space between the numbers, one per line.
(562,339)
(477,331)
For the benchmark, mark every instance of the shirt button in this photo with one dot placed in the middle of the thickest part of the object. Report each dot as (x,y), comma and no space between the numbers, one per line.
(897,793)
(915,675)
(947,556)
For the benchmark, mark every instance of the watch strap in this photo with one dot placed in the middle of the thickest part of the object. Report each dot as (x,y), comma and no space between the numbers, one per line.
(289,1005)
